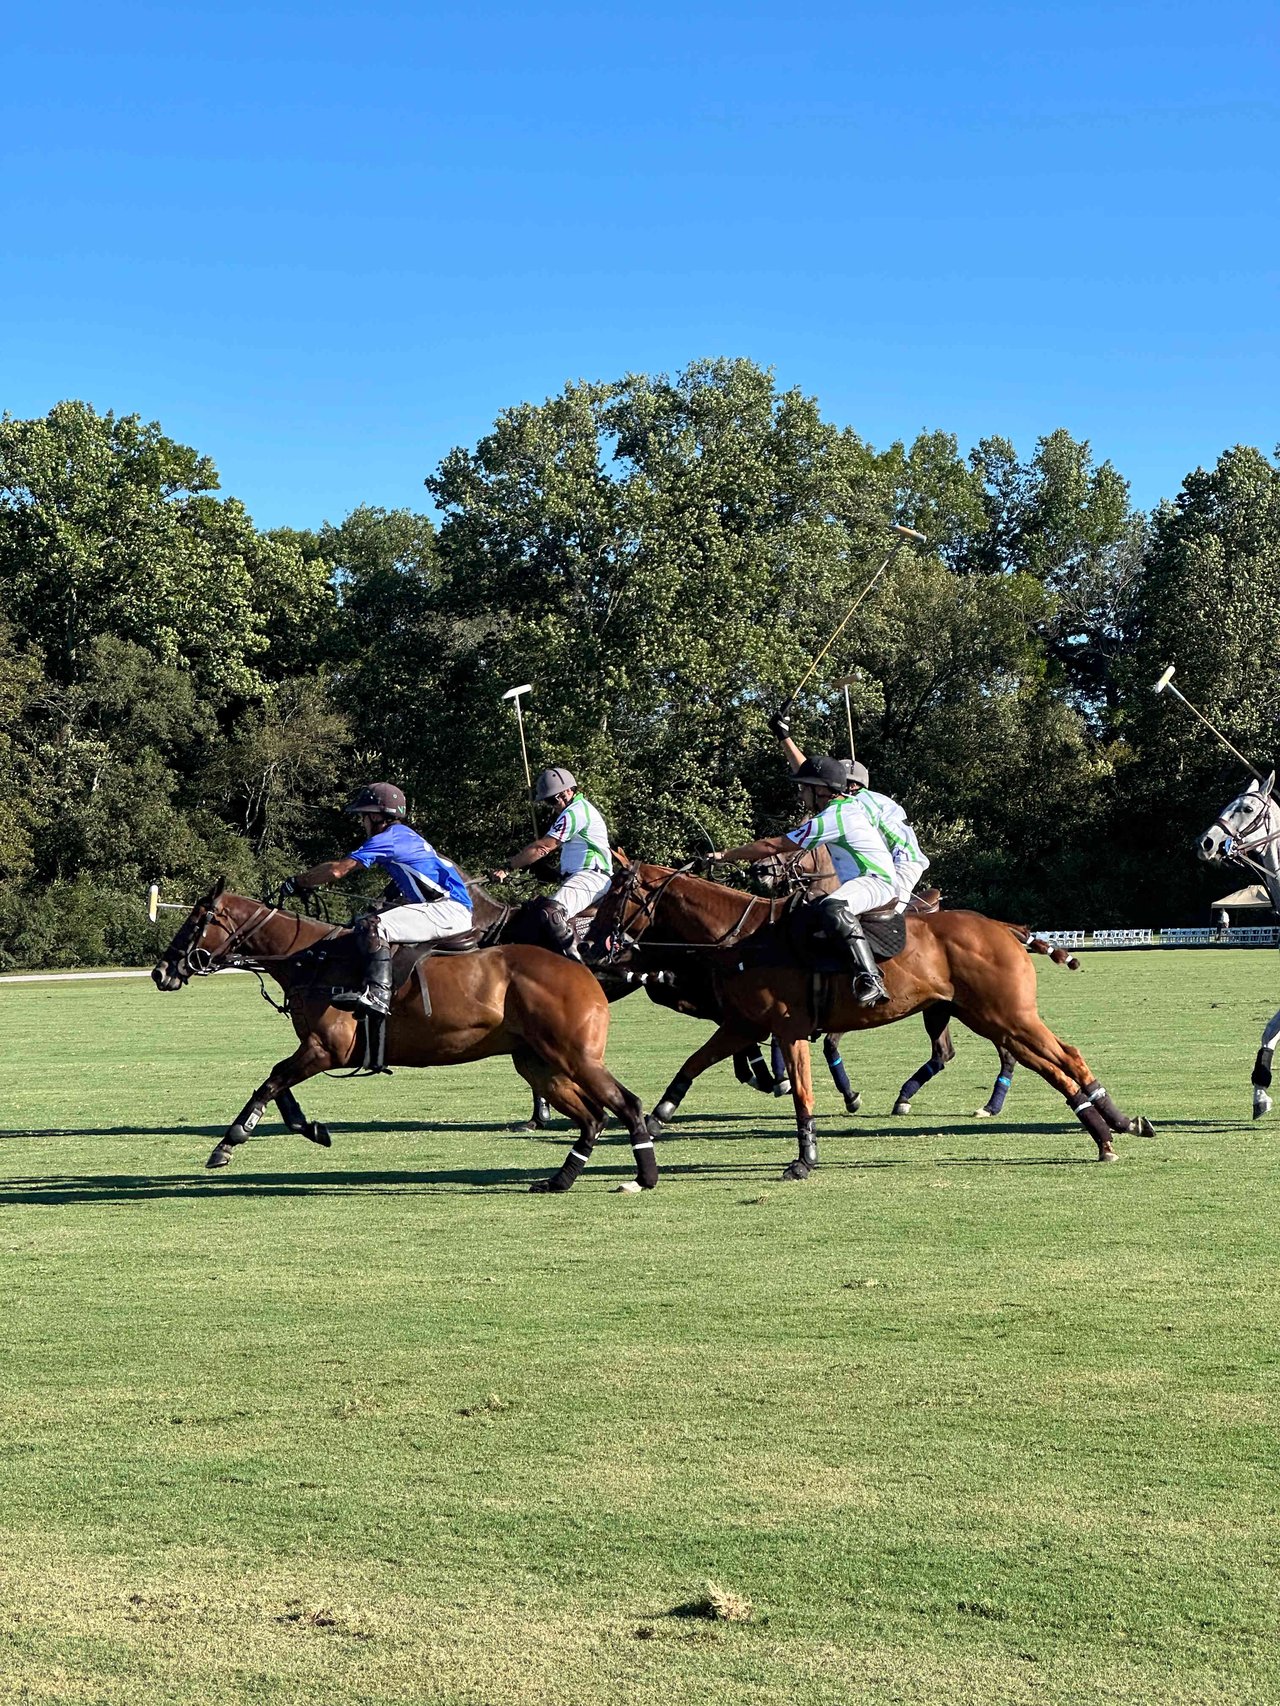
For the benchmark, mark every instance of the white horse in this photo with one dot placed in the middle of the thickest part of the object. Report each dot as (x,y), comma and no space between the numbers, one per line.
(1248,833)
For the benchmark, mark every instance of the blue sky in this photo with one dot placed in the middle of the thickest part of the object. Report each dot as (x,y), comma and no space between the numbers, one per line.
(325,243)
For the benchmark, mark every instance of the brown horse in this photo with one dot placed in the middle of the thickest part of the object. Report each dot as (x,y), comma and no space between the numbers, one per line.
(809,873)
(547,1013)
(955,962)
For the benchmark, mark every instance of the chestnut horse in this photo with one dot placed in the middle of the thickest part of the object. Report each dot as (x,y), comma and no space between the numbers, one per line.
(548,1013)
(809,873)
(972,967)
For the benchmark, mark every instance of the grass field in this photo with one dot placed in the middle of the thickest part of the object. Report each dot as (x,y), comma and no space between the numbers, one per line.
(967,1417)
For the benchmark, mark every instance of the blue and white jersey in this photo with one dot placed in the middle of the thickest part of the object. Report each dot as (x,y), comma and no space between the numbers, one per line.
(414,866)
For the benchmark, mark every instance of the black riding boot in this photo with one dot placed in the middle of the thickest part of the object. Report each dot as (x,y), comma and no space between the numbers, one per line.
(561,931)
(376,994)
(843,927)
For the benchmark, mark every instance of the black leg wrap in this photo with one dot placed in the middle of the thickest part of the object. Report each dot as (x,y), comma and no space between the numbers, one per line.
(1090,1119)
(1262,1069)
(646,1165)
(1106,1107)
(674,1094)
(563,1180)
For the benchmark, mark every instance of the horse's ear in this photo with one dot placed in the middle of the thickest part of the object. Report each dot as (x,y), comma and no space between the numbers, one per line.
(621,857)
(219,888)
(1268,787)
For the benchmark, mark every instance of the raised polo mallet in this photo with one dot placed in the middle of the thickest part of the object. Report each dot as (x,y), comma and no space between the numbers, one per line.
(848,681)
(514,694)
(902,535)
(1165,684)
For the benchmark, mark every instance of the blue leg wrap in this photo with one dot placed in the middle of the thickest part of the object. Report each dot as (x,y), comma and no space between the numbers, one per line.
(999,1090)
(919,1077)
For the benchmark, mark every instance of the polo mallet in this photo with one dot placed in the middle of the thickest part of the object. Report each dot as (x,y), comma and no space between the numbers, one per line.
(903,534)
(514,693)
(155,906)
(1165,683)
(848,681)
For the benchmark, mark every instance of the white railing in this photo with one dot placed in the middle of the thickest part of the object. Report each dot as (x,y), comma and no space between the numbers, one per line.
(1200,936)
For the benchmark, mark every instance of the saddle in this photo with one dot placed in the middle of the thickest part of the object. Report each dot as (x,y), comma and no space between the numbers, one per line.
(799,938)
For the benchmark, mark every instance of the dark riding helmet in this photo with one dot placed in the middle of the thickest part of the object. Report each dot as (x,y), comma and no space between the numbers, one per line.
(380,797)
(552,782)
(823,773)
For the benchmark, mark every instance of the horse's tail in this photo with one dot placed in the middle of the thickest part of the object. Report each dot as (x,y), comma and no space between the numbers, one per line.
(1037,945)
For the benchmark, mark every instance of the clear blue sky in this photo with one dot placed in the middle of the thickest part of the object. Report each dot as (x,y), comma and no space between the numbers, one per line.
(324,243)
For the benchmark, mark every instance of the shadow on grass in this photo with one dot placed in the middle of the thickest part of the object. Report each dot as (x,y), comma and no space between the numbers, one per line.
(114,1189)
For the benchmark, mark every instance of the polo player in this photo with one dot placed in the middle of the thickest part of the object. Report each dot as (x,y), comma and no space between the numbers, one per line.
(859,853)
(909,861)
(586,864)
(434,896)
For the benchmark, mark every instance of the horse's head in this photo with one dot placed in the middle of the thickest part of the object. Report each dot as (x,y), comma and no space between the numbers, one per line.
(204,935)
(622,916)
(807,871)
(1244,824)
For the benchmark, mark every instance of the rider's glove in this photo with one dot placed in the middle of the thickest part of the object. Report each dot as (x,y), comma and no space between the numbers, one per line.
(780,725)
(292,886)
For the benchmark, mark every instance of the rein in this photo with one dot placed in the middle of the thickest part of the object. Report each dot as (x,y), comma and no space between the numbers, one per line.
(648,906)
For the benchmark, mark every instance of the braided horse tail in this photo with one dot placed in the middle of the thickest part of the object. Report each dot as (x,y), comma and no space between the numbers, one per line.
(1037,945)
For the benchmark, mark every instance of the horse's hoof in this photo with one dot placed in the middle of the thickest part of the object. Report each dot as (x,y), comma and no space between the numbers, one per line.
(318,1133)
(1261,1104)
(1107,1155)
(527,1125)
(983,1114)
(653,1125)
(541,1187)
(630,1188)
(901,1107)
(796,1171)
(1142,1127)
(221,1157)
(782,1087)
(853,1103)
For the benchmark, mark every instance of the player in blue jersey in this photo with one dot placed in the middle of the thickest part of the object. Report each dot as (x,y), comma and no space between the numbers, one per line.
(434,899)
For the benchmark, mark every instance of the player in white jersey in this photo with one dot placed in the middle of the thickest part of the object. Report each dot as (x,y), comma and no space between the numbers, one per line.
(909,862)
(859,853)
(586,864)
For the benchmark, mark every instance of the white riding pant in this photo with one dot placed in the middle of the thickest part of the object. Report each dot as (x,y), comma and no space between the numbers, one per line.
(424,921)
(907,872)
(581,889)
(862,894)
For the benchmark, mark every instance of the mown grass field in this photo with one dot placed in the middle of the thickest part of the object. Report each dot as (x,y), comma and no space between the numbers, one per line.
(965,1418)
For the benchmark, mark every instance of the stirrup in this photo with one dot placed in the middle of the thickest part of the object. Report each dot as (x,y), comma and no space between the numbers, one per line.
(869,991)
(369,1000)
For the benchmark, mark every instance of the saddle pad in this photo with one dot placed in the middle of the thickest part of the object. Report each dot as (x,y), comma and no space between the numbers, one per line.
(886,936)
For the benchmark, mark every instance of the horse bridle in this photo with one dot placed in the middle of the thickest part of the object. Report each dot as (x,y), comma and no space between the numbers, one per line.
(622,937)
(1241,847)
(199,961)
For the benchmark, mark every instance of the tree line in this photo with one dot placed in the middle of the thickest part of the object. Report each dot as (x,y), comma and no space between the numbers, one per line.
(184,695)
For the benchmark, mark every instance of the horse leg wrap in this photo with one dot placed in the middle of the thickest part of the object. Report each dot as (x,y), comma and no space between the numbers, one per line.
(1261,1079)
(676,1092)
(744,1065)
(1106,1107)
(646,1166)
(291,1112)
(241,1128)
(807,1158)
(999,1090)
(570,1168)
(1092,1121)
(835,1066)
(918,1079)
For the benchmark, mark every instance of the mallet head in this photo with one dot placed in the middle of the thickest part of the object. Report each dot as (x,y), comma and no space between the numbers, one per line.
(1164,680)
(515,692)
